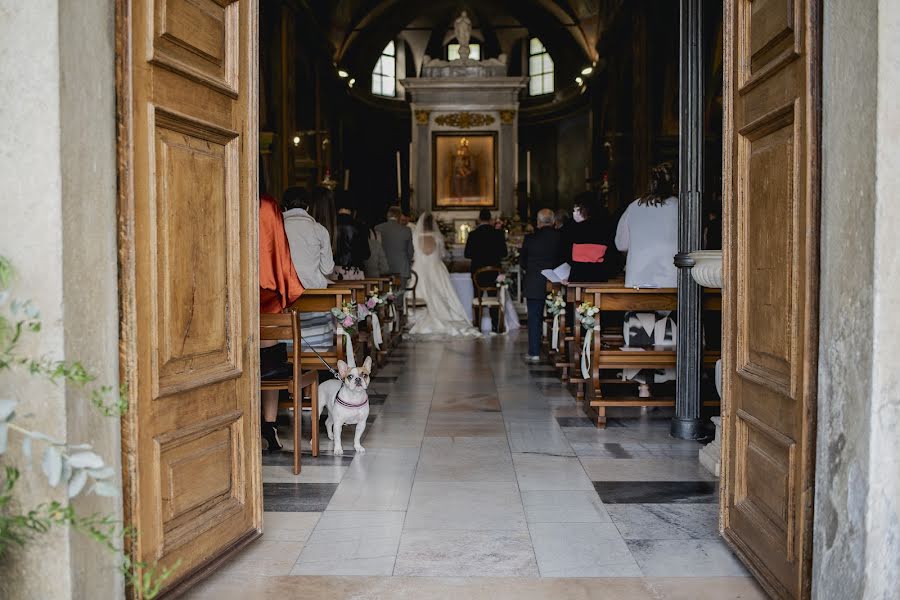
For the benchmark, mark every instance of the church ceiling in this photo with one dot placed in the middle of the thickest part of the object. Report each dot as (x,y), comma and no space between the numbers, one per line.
(359,29)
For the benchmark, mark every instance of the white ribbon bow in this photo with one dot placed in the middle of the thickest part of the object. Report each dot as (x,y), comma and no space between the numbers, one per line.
(376,331)
(587,351)
(555,338)
(348,342)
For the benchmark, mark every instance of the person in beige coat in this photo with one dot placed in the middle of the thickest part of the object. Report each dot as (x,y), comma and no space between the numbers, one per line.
(313,260)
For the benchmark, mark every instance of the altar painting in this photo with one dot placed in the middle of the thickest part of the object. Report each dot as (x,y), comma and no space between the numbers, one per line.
(465,174)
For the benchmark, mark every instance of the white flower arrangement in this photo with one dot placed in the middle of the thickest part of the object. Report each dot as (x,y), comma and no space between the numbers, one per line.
(586,313)
(555,303)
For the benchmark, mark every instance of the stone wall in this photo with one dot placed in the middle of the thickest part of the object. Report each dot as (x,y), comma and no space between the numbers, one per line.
(57,173)
(856,533)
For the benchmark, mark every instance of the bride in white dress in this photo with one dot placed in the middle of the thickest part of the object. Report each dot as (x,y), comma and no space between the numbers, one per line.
(443,314)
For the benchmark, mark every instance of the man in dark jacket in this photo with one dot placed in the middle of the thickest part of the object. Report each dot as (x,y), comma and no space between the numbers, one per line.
(486,246)
(540,250)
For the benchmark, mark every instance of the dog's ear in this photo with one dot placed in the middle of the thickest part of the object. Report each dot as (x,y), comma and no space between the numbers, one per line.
(343,369)
(367,365)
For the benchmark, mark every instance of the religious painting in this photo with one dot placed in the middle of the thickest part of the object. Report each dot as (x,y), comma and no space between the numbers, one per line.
(464,171)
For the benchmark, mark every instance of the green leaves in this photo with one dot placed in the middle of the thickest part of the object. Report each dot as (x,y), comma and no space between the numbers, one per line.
(75,466)
(52,465)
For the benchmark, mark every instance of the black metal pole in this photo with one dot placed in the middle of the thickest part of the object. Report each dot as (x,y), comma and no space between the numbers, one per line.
(686,423)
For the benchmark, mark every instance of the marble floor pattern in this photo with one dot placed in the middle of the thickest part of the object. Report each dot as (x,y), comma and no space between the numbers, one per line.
(484,478)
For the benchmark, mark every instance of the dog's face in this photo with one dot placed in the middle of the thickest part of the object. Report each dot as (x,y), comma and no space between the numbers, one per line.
(355,379)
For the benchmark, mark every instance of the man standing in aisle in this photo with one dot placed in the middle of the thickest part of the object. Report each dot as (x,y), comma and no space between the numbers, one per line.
(397,242)
(540,250)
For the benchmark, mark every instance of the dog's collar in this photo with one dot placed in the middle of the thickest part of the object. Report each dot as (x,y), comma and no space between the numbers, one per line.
(337,399)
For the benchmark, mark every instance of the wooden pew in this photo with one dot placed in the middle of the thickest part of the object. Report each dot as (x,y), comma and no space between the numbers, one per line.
(573,339)
(606,352)
(322,301)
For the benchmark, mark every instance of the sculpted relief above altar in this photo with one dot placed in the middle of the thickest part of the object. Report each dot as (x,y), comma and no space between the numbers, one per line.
(464,120)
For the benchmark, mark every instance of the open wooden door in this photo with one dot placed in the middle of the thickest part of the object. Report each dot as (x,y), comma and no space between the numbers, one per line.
(771,203)
(187,77)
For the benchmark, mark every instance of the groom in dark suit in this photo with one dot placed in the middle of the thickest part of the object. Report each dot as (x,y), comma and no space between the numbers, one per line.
(486,246)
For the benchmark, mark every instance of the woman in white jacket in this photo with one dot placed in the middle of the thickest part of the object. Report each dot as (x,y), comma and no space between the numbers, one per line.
(648,232)
(312,257)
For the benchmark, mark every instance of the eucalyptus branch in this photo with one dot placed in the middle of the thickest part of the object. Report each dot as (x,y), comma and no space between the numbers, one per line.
(72,465)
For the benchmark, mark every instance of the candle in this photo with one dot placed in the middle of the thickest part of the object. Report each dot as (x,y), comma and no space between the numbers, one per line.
(516,165)
(399,193)
(528,173)
(346,179)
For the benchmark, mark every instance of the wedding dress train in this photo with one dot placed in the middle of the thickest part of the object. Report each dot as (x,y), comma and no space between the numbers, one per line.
(443,314)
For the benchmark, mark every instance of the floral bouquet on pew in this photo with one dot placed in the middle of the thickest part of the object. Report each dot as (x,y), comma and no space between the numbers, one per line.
(346,317)
(502,281)
(587,314)
(555,303)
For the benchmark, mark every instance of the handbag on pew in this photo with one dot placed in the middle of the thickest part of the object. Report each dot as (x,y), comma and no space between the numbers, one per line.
(273,362)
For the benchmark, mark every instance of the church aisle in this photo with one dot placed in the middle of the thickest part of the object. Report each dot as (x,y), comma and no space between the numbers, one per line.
(483,477)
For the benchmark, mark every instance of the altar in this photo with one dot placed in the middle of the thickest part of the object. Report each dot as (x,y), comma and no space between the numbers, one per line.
(464,135)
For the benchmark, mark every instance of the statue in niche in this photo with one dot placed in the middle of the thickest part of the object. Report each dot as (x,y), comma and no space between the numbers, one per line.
(464,180)
(463,29)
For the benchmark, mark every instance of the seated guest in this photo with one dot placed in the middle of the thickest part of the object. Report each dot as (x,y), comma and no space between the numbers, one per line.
(279,287)
(540,250)
(310,241)
(311,253)
(648,232)
(562,218)
(351,247)
(377,263)
(486,245)
(587,245)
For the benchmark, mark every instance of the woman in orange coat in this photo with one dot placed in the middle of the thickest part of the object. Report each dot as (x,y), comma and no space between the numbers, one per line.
(279,287)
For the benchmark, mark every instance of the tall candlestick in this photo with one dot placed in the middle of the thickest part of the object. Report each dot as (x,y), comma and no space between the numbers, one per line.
(412,169)
(587,177)
(528,173)
(346,179)
(399,193)
(516,164)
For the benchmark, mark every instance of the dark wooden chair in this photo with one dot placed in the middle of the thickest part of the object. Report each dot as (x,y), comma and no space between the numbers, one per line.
(411,289)
(286,326)
(487,295)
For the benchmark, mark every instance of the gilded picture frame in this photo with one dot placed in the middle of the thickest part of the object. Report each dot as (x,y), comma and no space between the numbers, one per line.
(464,170)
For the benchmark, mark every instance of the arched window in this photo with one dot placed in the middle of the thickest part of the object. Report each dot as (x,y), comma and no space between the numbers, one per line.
(384,76)
(540,69)
(474,51)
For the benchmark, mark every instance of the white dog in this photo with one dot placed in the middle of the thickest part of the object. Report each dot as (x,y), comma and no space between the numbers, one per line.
(347,400)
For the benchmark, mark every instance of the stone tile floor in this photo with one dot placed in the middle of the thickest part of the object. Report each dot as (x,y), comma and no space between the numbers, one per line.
(484,478)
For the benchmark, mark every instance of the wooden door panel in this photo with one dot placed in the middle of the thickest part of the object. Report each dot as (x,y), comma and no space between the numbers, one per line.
(197,224)
(765,213)
(199,39)
(771,281)
(189,279)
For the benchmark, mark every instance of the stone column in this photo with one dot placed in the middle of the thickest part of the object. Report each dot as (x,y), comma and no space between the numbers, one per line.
(686,424)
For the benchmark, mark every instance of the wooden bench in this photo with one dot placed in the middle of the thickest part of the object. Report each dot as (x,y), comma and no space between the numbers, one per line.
(607,352)
(572,334)
(323,301)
